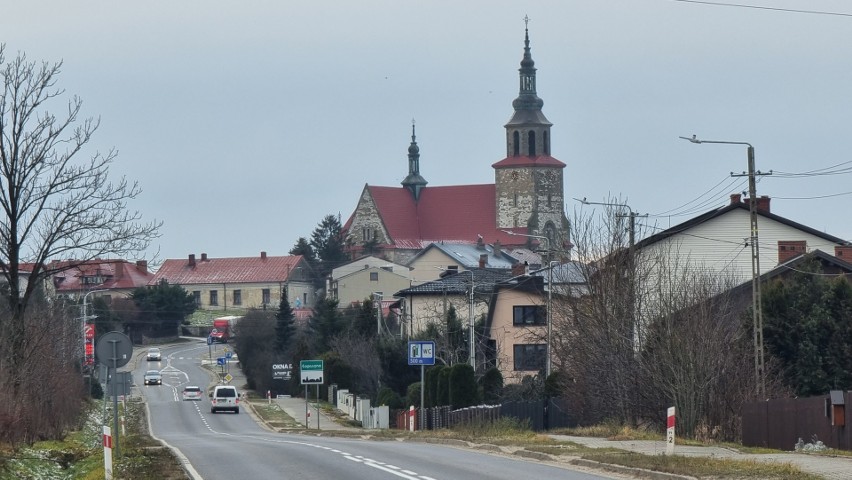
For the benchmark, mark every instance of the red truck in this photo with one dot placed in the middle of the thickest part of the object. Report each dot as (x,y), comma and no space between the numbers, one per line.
(223,328)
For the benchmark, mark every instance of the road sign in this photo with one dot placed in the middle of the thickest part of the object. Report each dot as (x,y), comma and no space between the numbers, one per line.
(421,353)
(210,340)
(114,349)
(282,371)
(220,360)
(228,355)
(312,372)
(228,378)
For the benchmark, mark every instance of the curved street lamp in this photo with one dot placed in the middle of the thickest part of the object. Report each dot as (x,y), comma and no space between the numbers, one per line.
(757,304)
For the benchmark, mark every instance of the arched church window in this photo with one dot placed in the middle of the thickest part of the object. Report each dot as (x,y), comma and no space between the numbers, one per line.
(546,139)
(531,143)
(516,141)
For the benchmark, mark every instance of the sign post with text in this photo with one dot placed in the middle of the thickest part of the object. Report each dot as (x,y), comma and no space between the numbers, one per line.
(311,372)
(421,353)
(670,431)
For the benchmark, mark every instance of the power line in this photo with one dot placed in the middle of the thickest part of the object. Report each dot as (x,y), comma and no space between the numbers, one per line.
(760,7)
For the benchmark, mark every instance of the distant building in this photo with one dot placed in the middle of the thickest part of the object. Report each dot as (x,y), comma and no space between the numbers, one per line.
(105,278)
(240,283)
(363,278)
(527,197)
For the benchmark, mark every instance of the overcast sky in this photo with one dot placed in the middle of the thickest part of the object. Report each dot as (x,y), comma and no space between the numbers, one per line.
(247,122)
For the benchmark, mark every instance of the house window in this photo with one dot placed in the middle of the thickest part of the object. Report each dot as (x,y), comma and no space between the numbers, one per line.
(214,297)
(530,357)
(196,294)
(265,296)
(525,315)
(305,299)
(238,297)
(374,276)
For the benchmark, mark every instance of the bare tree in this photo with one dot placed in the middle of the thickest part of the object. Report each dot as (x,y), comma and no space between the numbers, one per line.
(53,206)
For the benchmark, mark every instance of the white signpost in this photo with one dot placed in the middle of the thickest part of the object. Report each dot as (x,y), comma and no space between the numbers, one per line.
(670,431)
(107,453)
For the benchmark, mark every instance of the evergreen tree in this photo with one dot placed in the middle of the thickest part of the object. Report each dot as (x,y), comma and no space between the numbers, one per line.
(303,248)
(807,329)
(328,245)
(285,324)
(163,307)
(325,323)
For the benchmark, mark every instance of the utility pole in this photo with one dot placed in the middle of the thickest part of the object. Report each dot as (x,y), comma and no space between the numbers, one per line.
(756,301)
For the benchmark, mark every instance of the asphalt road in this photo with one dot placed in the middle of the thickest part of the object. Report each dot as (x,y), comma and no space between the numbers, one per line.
(229,446)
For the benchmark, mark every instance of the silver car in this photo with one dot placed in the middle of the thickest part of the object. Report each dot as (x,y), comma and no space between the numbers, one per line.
(153,377)
(154,355)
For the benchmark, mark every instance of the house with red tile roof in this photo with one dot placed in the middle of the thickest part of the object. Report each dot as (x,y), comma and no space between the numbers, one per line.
(524,207)
(241,283)
(104,278)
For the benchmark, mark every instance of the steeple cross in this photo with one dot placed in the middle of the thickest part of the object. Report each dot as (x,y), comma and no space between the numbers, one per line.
(526,21)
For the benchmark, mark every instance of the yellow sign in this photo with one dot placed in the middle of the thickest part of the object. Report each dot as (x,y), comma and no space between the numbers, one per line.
(228,378)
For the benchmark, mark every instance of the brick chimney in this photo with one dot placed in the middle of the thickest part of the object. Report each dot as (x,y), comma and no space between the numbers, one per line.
(763,203)
(520,268)
(736,198)
(788,249)
(483,260)
(203,257)
(843,252)
(142,266)
(191,259)
(263,255)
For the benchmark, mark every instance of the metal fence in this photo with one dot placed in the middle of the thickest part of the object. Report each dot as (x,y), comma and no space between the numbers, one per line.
(780,423)
(539,415)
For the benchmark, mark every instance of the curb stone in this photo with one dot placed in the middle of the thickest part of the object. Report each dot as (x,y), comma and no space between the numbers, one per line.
(638,472)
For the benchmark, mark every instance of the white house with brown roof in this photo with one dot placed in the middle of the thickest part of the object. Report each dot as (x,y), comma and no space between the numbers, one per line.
(240,283)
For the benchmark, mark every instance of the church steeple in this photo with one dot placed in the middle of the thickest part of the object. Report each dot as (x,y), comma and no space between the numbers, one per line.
(528,131)
(414,181)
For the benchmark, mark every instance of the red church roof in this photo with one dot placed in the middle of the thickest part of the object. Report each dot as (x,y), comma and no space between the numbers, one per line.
(457,213)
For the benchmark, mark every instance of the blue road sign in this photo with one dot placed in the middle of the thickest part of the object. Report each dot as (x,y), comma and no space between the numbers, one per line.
(228,355)
(209,340)
(421,353)
(220,361)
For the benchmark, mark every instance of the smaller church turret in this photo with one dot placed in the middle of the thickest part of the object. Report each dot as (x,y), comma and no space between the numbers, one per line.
(414,182)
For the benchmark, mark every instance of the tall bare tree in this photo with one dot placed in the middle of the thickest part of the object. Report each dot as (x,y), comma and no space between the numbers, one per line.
(55,203)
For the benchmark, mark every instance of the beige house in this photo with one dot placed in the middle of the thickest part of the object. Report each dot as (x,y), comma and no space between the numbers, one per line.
(517,326)
(241,283)
(365,277)
(440,257)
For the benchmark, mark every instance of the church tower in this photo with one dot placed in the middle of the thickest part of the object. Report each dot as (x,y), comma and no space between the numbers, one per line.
(414,182)
(529,183)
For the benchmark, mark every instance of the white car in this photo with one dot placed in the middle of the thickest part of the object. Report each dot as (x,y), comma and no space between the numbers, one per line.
(154,355)
(153,377)
(225,397)
(191,392)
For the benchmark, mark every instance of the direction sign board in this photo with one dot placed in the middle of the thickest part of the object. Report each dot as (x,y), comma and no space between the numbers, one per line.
(421,352)
(312,372)
(220,360)
(282,371)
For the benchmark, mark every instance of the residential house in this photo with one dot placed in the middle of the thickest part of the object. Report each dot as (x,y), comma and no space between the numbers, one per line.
(427,303)
(438,257)
(526,198)
(241,283)
(364,278)
(99,278)
(516,325)
(719,239)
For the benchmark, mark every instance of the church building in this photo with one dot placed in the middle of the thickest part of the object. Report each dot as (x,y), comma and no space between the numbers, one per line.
(524,207)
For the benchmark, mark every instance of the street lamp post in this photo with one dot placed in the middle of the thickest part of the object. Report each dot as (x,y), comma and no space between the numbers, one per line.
(548,363)
(757,303)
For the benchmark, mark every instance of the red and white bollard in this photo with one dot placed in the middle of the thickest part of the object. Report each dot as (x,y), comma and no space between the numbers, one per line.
(412,417)
(670,431)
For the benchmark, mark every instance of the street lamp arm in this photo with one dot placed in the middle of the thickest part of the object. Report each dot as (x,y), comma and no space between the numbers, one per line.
(693,139)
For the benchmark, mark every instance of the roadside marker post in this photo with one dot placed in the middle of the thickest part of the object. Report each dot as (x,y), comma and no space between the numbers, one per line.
(107,440)
(670,431)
